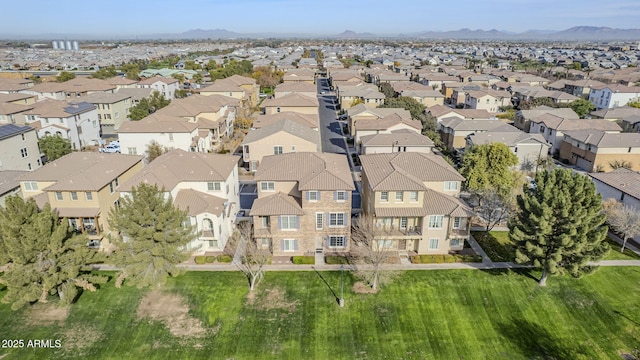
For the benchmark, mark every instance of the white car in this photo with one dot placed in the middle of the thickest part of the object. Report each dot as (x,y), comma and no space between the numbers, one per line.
(113,147)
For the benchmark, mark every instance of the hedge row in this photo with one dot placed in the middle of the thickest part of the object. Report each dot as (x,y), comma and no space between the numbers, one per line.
(200,259)
(304,260)
(442,259)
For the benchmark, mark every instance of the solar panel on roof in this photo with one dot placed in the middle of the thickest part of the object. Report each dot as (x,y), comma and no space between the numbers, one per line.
(11,130)
(79,108)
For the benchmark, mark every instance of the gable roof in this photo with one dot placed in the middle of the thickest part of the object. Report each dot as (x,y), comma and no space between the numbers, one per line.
(10,130)
(276,204)
(459,124)
(312,171)
(9,180)
(402,137)
(387,122)
(509,138)
(197,202)
(384,171)
(439,110)
(625,180)
(83,171)
(378,112)
(178,166)
(291,100)
(308,120)
(48,108)
(603,139)
(287,126)
(158,123)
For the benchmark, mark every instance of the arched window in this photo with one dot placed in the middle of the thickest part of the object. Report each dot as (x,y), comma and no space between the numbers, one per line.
(207,225)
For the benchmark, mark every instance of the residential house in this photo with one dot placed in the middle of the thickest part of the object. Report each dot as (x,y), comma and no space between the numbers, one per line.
(300,87)
(529,148)
(113,109)
(621,184)
(523,117)
(82,187)
(76,121)
(11,113)
(12,86)
(309,120)
(165,86)
(413,199)
(136,94)
(490,100)
(454,130)
(18,98)
(70,90)
(20,150)
(282,137)
(597,150)
(362,112)
(581,88)
(291,102)
(553,127)
(121,82)
(440,112)
(296,75)
(368,94)
(617,113)
(205,185)
(384,125)
(610,96)
(403,140)
(9,184)
(171,132)
(426,97)
(250,86)
(303,204)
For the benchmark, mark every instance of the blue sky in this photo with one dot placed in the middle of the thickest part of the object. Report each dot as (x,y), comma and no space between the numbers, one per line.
(137,17)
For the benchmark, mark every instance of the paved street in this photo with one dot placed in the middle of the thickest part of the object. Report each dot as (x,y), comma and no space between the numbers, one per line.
(330,134)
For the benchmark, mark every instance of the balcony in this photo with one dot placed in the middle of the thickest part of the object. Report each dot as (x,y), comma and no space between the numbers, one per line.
(207,234)
(411,231)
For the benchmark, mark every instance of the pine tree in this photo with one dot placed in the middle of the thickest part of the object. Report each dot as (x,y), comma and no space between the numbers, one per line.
(560,225)
(42,255)
(152,236)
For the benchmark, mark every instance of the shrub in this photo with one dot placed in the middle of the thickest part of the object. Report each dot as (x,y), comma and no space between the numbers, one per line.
(200,259)
(210,259)
(224,258)
(439,259)
(336,260)
(304,260)
(449,258)
(415,259)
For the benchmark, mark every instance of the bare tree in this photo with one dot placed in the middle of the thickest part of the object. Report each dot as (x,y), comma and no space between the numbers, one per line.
(247,255)
(372,248)
(625,220)
(494,208)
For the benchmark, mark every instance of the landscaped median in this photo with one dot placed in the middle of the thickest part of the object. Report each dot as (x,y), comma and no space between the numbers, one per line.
(455,314)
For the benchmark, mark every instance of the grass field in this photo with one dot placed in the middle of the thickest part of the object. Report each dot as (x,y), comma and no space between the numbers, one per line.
(456,314)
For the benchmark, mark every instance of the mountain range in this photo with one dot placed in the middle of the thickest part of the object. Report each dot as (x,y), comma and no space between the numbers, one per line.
(577,33)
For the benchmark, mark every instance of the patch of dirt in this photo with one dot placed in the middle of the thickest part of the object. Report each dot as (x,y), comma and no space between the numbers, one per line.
(81,337)
(273,299)
(46,314)
(173,311)
(362,288)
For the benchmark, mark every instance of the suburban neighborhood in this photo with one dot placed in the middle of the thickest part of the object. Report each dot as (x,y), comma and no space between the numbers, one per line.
(350,197)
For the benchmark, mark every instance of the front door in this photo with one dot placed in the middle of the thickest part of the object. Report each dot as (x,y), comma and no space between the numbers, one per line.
(402,244)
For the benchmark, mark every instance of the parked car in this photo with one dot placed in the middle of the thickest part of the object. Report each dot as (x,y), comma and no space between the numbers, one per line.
(113,147)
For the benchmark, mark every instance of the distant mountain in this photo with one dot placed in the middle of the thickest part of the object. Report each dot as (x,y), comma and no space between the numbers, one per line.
(577,33)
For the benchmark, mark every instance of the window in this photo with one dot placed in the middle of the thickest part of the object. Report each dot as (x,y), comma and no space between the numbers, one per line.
(278,109)
(88,195)
(399,196)
(435,221)
(99,117)
(313,195)
(58,195)
(74,196)
(289,245)
(213,243)
(341,196)
(288,222)
(413,196)
(268,186)
(265,221)
(450,185)
(265,243)
(117,182)
(254,165)
(384,196)
(213,186)
(29,166)
(132,151)
(319,220)
(23,152)
(336,219)
(403,223)
(293,148)
(336,241)
(170,136)
(385,244)
(433,244)
(30,186)
(455,242)
(277,150)
(459,223)
(23,138)
(116,115)
(111,188)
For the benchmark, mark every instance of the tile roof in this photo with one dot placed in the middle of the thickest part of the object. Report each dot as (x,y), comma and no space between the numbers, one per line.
(295,86)
(10,108)
(178,166)
(155,79)
(59,109)
(459,124)
(73,212)
(83,171)
(293,100)
(136,94)
(378,112)
(308,120)
(312,171)
(511,138)
(197,104)
(9,180)
(196,202)
(406,169)
(625,180)
(403,137)
(105,98)
(440,110)
(605,140)
(387,122)
(276,204)
(157,123)
(283,125)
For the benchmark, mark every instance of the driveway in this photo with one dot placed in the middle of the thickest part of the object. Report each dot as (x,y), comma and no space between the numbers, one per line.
(330,133)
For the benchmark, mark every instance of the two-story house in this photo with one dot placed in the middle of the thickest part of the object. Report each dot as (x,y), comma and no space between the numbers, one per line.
(205,185)
(165,86)
(82,187)
(414,198)
(20,150)
(596,150)
(610,96)
(303,204)
(112,109)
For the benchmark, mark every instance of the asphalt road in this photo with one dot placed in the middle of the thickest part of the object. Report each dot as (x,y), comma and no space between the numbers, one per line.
(330,134)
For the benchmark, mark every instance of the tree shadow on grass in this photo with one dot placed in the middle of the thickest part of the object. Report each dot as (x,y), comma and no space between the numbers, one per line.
(328,286)
(535,342)
(517,271)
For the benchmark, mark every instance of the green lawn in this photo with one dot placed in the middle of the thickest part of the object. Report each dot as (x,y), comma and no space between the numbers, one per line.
(496,244)
(457,314)
(615,253)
